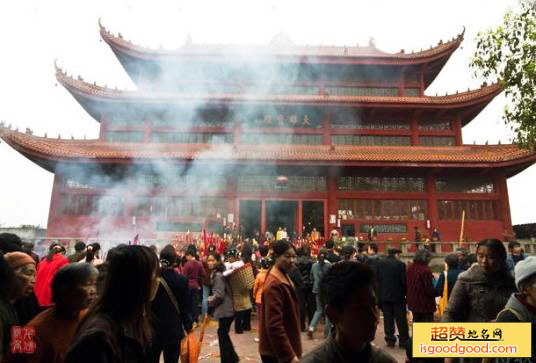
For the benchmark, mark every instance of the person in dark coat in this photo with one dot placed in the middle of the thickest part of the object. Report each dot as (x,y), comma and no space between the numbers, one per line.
(463,259)
(74,289)
(279,330)
(307,298)
(392,298)
(117,328)
(220,304)
(348,289)
(521,306)
(453,270)
(193,270)
(331,256)
(26,305)
(318,270)
(11,288)
(170,309)
(80,252)
(421,292)
(483,290)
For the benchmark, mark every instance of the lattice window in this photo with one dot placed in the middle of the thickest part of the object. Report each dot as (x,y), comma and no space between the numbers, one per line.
(85,205)
(474,209)
(354,121)
(459,184)
(412,92)
(380,184)
(372,140)
(437,140)
(378,209)
(435,125)
(124,136)
(191,138)
(258,183)
(362,91)
(296,139)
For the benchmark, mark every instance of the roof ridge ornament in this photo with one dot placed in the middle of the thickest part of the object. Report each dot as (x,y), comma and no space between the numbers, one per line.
(282,40)
(101,27)
(372,42)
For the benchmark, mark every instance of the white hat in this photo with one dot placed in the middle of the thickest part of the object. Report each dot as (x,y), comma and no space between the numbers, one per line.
(525,269)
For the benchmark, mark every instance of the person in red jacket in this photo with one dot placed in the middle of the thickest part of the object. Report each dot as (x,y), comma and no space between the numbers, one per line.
(46,269)
(421,292)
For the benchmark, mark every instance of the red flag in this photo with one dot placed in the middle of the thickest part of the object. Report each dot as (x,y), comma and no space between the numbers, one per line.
(136,240)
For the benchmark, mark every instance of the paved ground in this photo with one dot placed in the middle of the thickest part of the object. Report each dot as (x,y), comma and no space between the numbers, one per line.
(247,348)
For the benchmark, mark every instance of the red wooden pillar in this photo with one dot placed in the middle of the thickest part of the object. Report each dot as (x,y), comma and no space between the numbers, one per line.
(400,84)
(504,203)
(457,126)
(236,133)
(432,203)
(147,131)
(103,126)
(421,80)
(326,124)
(233,204)
(263,216)
(332,200)
(414,130)
(55,211)
(300,218)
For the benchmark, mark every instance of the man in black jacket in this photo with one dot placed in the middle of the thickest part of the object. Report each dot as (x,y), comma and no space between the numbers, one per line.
(306,296)
(171,310)
(392,297)
(331,256)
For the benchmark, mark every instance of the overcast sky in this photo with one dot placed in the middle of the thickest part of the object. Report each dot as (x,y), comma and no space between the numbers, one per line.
(34,33)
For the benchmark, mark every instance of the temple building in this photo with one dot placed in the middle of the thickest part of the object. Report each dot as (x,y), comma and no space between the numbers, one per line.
(262,137)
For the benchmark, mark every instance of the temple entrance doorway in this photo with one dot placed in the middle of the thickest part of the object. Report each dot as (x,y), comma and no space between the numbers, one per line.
(282,213)
(250,217)
(313,217)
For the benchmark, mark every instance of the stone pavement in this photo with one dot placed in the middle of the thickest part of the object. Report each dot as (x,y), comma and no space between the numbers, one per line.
(247,348)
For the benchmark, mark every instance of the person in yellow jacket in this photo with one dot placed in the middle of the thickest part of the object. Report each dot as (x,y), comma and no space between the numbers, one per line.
(258,288)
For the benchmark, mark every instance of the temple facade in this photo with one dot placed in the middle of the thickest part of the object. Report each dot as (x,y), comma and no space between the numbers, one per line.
(273,136)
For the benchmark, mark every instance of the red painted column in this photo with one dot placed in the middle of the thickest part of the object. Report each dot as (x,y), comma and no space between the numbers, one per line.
(263,216)
(148,130)
(504,207)
(300,218)
(103,126)
(457,126)
(233,203)
(54,213)
(236,132)
(421,81)
(414,130)
(401,83)
(326,124)
(332,200)
(432,203)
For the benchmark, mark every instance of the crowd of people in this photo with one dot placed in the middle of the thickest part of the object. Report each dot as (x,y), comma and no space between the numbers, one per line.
(137,303)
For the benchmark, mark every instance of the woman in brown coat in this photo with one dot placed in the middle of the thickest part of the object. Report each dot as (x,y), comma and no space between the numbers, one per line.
(279,331)
(482,291)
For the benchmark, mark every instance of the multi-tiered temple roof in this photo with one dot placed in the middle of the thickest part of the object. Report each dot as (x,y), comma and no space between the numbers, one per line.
(351,127)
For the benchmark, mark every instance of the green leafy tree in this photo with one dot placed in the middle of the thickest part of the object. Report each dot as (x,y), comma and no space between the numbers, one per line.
(507,55)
